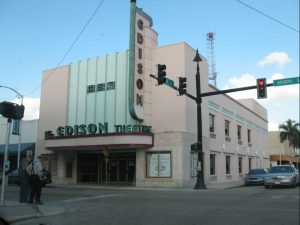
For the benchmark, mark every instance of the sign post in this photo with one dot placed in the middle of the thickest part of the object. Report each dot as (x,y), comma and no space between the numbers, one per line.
(105,153)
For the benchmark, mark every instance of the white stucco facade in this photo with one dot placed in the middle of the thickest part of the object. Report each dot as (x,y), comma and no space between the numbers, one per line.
(172,119)
(87,131)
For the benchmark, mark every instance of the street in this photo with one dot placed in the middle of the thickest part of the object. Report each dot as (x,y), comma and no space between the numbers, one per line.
(252,205)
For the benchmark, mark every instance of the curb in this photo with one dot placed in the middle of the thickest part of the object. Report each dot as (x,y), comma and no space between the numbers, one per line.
(14,213)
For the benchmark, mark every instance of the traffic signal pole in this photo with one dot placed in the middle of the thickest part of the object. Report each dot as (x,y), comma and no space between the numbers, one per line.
(5,163)
(200,184)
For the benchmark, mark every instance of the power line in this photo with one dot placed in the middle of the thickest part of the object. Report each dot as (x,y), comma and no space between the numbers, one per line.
(270,17)
(70,48)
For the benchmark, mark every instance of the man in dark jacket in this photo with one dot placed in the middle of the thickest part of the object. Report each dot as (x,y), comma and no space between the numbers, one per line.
(24,179)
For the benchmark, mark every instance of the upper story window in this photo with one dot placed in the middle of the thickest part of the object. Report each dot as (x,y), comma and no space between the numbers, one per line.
(110,86)
(101,87)
(211,123)
(90,89)
(249,137)
(227,126)
(239,132)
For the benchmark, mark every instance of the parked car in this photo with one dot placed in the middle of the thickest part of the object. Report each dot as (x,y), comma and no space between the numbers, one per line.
(282,175)
(255,177)
(14,178)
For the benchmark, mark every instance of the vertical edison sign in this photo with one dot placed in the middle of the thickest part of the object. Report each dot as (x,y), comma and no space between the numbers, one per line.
(138,22)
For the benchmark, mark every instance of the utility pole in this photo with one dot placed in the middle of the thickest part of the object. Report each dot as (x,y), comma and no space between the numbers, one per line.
(20,127)
(200,184)
(5,162)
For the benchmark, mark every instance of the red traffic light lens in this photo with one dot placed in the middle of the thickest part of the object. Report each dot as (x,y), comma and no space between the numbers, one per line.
(261,82)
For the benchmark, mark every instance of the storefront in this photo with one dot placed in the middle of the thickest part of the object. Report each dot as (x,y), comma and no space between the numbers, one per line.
(117,168)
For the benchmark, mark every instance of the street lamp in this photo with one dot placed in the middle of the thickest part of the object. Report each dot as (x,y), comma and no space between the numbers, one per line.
(5,161)
(200,184)
(19,146)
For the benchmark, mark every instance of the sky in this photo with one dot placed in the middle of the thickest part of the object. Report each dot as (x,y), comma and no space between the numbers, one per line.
(37,35)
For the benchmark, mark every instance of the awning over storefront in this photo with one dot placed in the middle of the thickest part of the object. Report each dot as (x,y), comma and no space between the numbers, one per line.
(287,158)
(13,148)
(110,140)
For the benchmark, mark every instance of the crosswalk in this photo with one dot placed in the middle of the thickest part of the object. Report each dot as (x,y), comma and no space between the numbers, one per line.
(88,198)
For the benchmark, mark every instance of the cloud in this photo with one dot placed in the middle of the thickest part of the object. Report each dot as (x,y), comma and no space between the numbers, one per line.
(280,58)
(282,102)
(32,108)
(280,93)
(273,126)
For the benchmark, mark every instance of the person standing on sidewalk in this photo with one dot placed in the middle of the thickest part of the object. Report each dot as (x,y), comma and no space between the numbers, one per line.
(35,171)
(24,179)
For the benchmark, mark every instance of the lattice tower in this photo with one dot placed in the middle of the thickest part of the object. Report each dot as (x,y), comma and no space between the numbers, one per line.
(212,74)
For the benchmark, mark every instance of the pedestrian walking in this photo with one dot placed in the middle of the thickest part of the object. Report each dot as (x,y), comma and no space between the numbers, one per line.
(35,171)
(24,179)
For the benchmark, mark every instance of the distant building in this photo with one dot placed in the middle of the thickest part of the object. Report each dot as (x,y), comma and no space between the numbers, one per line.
(104,120)
(27,141)
(282,153)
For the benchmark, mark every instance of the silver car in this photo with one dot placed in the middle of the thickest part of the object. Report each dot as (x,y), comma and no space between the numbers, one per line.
(255,177)
(283,175)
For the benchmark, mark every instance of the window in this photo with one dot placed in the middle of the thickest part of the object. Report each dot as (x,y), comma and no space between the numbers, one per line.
(101,87)
(69,169)
(158,164)
(212,164)
(240,164)
(211,123)
(194,161)
(90,89)
(227,123)
(227,164)
(249,137)
(227,128)
(110,86)
(239,132)
(250,162)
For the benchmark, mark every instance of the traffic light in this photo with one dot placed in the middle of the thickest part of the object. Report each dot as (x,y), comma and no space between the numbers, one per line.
(182,85)
(18,112)
(161,74)
(11,110)
(261,84)
(195,147)
(7,109)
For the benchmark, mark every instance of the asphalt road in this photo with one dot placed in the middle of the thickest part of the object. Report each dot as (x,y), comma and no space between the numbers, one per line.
(238,206)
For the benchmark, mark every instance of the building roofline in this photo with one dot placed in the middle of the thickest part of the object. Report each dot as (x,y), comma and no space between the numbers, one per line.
(236,101)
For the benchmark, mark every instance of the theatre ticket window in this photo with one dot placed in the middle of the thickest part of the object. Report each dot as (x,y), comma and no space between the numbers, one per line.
(159,164)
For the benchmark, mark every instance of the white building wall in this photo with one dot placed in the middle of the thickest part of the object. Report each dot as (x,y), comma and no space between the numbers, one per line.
(99,106)
(54,103)
(28,131)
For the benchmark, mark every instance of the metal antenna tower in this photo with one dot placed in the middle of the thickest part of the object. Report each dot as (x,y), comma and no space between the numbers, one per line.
(212,74)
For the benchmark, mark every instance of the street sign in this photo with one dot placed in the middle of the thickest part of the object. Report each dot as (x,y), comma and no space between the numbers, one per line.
(287,81)
(169,82)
